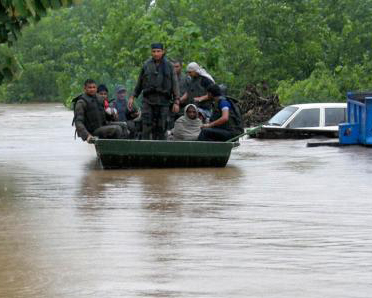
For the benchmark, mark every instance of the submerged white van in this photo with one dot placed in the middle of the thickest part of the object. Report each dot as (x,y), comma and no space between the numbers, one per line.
(305,120)
(314,116)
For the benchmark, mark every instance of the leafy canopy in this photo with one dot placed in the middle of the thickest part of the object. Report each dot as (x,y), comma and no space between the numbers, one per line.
(306,50)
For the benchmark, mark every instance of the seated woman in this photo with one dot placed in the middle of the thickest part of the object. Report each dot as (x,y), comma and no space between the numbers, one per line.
(187,127)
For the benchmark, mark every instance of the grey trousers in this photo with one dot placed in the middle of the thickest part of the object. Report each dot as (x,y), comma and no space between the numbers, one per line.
(112,131)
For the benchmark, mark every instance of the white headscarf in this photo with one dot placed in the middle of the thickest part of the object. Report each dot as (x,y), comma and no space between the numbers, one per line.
(193,66)
(186,129)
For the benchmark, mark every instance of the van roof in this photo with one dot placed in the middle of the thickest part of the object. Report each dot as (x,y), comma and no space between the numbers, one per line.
(320,105)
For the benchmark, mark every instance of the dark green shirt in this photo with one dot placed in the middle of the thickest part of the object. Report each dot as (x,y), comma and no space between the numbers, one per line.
(182,83)
(158,82)
(197,87)
(89,115)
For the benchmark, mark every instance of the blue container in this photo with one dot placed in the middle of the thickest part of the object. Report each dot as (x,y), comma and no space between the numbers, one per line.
(348,133)
(358,129)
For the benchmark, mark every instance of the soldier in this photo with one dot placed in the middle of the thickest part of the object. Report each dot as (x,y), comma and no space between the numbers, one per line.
(90,117)
(181,77)
(158,82)
(182,84)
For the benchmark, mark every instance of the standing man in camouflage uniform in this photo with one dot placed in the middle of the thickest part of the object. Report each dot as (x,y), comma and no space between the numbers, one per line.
(158,82)
(182,84)
(181,77)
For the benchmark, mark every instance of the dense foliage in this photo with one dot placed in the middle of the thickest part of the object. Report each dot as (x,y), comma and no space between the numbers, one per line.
(14,15)
(306,50)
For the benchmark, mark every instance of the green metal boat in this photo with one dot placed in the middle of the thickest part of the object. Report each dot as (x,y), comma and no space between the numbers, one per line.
(118,154)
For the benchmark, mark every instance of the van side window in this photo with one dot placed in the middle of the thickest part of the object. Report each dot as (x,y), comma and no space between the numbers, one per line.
(334,116)
(306,118)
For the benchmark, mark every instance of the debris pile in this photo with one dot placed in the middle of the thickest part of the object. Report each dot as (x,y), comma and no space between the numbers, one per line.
(257,106)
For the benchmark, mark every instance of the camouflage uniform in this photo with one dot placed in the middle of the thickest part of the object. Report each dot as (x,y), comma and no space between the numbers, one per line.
(182,83)
(90,119)
(159,84)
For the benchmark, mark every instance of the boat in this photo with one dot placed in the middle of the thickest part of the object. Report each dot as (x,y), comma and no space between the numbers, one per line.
(122,153)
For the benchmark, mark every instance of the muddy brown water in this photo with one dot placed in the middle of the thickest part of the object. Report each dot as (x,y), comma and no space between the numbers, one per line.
(281,220)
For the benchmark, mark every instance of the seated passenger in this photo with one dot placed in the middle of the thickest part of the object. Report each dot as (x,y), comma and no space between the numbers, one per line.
(120,104)
(187,127)
(90,117)
(225,122)
(111,112)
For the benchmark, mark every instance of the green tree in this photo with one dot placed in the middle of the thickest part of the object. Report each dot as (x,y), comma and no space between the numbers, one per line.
(307,50)
(14,15)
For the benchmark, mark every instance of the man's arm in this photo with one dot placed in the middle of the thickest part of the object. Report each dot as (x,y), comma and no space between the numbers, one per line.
(175,87)
(139,86)
(80,120)
(175,91)
(222,120)
(184,97)
(201,98)
(137,90)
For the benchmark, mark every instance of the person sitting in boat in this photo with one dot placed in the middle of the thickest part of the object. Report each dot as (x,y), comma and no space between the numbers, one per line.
(111,112)
(196,91)
(90,117)
(187,127)
(124,114)
(225,122)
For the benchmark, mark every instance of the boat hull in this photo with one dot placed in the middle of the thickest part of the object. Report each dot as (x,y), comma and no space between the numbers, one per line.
(118,154)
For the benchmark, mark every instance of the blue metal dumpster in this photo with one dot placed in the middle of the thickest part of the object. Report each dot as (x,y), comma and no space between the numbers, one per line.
(358,129)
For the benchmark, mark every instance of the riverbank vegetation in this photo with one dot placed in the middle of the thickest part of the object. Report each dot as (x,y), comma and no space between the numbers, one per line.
(14,16)
(305,51)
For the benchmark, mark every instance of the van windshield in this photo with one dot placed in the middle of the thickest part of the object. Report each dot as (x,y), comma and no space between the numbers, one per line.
(282,116)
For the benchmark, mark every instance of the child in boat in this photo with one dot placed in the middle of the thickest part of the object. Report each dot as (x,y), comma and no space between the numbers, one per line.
(187,127)
(111,112)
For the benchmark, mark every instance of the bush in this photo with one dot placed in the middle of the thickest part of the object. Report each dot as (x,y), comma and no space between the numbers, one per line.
(321,86)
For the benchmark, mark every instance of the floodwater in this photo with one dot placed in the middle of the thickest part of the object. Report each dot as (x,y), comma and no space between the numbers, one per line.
(281,220)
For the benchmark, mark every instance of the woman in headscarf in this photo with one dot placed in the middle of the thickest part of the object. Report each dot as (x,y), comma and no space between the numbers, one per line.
(187,127)
(197,86)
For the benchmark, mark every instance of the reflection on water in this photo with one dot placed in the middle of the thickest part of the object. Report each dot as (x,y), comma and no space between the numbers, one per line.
(7,188)
(281,220)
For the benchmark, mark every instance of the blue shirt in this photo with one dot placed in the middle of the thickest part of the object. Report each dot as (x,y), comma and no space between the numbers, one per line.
(224,104)
(121,107)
